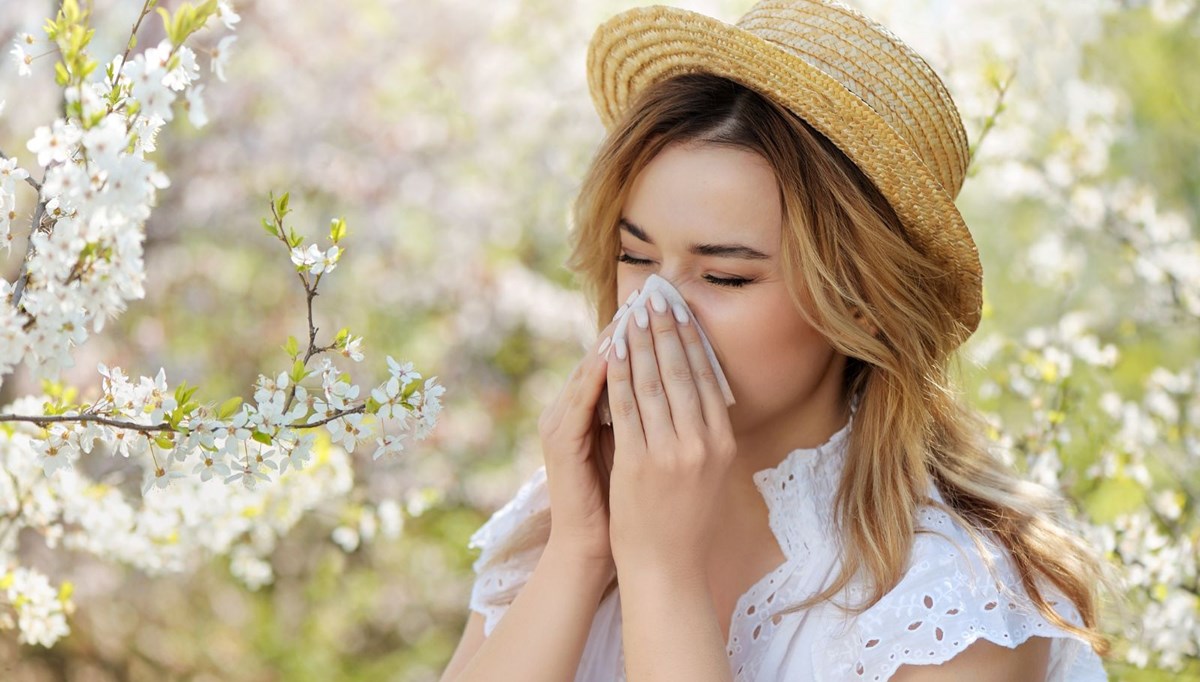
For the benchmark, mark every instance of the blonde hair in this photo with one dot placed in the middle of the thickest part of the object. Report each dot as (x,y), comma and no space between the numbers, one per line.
(850,260)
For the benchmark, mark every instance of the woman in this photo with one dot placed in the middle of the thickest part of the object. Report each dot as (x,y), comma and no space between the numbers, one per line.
(791,178)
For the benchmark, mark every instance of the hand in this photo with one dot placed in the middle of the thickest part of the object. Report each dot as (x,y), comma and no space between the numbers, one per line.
(674,445)
(578,452)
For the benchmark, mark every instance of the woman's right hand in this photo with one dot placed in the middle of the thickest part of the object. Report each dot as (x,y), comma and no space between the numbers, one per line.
(578,451)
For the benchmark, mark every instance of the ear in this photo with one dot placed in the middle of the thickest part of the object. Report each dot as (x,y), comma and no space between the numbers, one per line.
(864,324)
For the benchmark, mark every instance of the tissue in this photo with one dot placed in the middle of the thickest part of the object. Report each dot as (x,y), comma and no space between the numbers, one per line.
(642,298)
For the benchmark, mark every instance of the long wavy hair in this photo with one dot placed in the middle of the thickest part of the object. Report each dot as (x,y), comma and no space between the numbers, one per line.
(849,258)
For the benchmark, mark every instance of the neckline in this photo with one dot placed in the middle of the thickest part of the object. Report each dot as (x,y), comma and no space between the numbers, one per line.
(816,453)
(830,452)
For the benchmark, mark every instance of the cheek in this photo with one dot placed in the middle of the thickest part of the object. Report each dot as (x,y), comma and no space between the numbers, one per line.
(758,342)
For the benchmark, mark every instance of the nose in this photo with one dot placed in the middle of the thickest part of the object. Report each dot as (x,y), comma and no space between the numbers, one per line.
(676,283)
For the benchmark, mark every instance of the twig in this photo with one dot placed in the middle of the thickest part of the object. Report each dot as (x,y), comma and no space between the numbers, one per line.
(42,420)
(990,121)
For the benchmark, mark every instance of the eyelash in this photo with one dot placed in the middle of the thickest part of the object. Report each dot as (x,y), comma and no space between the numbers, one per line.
(735,282)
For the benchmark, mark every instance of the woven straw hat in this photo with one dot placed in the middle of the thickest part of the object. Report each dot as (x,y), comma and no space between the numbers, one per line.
(847,76)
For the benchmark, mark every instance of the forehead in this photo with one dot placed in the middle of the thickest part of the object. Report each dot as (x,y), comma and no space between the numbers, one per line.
(707,193)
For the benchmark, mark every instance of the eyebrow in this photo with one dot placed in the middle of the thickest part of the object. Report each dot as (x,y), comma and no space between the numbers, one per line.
(722,250)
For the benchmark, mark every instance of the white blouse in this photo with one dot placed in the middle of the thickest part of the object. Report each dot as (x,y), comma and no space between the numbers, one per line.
(945,601)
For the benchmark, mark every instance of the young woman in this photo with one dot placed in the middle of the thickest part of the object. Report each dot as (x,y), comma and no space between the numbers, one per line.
(792,178)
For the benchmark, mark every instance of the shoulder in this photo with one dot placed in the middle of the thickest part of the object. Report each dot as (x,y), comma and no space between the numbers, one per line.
(496,577)
(960,607)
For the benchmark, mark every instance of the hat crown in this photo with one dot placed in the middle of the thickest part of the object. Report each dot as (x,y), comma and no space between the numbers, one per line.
(876,66)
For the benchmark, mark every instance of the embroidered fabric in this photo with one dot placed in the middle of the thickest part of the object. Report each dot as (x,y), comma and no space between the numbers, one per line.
(946,600)
(532,497)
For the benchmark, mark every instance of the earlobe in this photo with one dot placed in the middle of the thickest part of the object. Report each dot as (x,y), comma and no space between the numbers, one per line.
(865,325)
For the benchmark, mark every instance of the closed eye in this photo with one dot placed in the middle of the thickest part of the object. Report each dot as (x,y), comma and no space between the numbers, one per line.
(719,281)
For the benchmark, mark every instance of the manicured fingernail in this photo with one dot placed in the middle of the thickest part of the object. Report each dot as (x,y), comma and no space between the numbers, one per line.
(619,344)
(680,314)
(641,317)
(604,345)
(632,295)
(659,303)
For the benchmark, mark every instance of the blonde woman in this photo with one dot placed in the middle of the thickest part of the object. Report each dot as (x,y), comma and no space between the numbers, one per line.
(779,191)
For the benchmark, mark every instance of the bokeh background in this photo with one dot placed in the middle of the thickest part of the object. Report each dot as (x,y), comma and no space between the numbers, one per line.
(452,135)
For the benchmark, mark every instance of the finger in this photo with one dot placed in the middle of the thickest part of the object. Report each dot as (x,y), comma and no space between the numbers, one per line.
(674,367)
(628,435)
(585,382)
(712,400)
(648,387)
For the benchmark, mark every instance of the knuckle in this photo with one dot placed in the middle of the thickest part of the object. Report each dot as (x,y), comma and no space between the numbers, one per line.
(680,374)
(623,407)
(662,328)
(705,371)
(651,388)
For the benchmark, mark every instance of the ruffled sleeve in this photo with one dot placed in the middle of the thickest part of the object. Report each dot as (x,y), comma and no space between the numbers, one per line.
(946,601)
(494,579)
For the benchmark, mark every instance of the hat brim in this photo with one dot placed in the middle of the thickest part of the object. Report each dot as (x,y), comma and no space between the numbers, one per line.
(642,46)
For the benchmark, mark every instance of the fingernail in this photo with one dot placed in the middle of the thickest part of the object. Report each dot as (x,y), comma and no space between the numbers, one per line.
(619,344)
(680,314)
(659,303)
(632,295)
(604,345)
(623,308)
(641,317)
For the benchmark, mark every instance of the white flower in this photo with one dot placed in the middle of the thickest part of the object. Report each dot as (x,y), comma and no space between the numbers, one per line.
(54,144)
(249,474)
(220,54)
(347,430)
(211,464)
(22,58)
(351,347)
(159,478)
(404,373)
(226,13)
(184,72)
(41,618)
(194,105)
(346,538)
(388,445)
(314,260)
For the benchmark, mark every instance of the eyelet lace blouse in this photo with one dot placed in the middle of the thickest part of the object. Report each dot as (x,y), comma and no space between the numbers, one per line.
(945,601)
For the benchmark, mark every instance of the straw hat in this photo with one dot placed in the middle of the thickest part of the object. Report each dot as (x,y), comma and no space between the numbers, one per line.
(847,76)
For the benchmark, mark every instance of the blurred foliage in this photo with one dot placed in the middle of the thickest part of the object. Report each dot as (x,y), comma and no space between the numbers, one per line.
(452,139)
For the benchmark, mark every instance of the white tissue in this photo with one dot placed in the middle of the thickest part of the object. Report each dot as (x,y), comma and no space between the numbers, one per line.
(642,298)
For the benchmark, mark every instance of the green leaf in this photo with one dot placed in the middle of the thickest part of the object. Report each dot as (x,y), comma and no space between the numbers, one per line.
(337,229)
(228,407)
(167,24)
(270,228)
(261,437)
(281,205)
(340,339)
(373,405)
(164,441)
(292,348)
(298,372)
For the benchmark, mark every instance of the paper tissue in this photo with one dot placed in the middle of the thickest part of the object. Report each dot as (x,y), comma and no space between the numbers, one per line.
(642,298)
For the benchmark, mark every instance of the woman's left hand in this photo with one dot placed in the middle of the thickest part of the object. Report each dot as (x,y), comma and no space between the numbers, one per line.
(673,445)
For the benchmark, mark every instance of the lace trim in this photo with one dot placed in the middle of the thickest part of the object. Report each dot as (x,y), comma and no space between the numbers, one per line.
(947,601)
(532,497)
(819,470)
(798,493)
